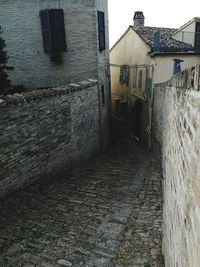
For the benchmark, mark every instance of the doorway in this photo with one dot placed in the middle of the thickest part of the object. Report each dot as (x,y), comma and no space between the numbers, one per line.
(136,120)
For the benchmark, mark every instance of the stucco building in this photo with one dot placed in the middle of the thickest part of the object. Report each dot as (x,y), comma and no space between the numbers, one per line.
(142,57)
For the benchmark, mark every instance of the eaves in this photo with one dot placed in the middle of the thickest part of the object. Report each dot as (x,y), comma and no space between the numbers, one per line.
(155,54)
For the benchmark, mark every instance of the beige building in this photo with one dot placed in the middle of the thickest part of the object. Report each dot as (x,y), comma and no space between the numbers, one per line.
(142,57)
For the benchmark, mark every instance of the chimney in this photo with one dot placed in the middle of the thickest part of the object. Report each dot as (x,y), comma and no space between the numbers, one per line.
(138,19)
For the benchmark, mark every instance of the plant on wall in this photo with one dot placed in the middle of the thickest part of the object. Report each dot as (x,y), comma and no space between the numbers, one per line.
(4,81)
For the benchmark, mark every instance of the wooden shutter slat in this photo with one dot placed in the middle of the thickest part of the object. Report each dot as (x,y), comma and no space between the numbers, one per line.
(101,30)
(58,29)
(157,41)
(46,30)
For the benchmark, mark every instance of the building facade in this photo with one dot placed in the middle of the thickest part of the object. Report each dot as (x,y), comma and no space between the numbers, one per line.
(55,41)
(142,57)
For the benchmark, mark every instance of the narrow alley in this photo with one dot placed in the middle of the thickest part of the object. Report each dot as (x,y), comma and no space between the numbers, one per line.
(107,212)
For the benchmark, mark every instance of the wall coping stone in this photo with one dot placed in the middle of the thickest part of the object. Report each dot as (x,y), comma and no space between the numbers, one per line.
(44,93)
(188,79)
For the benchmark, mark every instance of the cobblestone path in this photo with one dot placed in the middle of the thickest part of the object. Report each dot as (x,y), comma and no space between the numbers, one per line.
(107,212)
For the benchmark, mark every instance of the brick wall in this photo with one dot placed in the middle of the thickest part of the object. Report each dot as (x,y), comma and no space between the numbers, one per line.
(47,130)
(34,68)
(176,136)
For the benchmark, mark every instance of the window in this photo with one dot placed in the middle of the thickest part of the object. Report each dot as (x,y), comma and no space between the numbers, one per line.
(124,74)
(53,30)
(101,30)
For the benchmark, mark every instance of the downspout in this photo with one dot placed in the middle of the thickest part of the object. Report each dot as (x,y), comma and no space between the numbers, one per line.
(100,115)
(150,110)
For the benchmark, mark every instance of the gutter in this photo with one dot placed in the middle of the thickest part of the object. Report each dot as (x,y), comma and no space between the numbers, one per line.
(154,54)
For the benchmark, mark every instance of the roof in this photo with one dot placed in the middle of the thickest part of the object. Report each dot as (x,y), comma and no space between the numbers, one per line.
(167,43)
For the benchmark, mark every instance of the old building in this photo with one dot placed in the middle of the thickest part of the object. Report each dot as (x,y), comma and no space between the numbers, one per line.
(59,48)
(142,57)
(55,41)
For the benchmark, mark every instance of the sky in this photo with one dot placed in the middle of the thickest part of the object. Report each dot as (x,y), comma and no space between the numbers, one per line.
(168,13)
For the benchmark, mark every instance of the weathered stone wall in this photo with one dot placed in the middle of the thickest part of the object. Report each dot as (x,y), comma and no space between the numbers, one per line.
(47,130)
(176,132)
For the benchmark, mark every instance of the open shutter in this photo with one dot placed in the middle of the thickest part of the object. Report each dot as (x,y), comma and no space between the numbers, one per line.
(148,86)
(58,29)
(157,41)
(101,30)
(121,75)
(135,76)
(177,65)
(46,30)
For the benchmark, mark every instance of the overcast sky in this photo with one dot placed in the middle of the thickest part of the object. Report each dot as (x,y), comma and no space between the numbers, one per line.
(168,13)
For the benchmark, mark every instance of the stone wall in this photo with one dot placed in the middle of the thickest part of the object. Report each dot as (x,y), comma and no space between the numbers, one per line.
(47,130)
(176,136)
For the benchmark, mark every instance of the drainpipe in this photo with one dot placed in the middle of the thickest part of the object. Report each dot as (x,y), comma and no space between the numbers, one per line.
(150,110)
(100,116)
(107,88)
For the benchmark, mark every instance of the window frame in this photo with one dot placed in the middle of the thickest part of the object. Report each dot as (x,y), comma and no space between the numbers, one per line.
(124,74)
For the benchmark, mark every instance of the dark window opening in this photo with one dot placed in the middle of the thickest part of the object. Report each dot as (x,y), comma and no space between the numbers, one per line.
(53,30)
(101,30)
(124,74)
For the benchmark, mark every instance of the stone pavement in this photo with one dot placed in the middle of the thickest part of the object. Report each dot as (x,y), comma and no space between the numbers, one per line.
(107,212)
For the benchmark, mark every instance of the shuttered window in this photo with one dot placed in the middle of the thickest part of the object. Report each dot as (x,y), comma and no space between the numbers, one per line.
(101,30)
(124,74)
(148,86)
(53,30)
